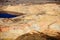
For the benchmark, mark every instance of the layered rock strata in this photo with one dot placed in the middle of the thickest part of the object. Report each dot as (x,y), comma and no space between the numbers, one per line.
(43,18)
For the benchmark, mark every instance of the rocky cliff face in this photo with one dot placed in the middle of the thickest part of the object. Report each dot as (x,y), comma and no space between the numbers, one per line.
(14,2)
(44,18)
(17,2)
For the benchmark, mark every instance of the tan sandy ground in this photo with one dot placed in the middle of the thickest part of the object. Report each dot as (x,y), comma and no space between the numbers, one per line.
(37,18)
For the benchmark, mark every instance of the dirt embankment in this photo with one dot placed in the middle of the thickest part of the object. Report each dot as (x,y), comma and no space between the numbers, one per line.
(43,18)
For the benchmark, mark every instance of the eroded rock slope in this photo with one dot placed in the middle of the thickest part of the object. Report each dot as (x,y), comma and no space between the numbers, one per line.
(43,18)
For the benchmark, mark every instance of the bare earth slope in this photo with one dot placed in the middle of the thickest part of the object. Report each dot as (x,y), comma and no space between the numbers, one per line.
(43,18)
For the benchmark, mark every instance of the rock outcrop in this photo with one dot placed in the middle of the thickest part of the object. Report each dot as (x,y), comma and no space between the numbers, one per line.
(44,18)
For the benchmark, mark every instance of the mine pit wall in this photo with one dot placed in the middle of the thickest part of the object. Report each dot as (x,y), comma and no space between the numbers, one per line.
(21,4)
(28,9)
(47,21)
(15,2)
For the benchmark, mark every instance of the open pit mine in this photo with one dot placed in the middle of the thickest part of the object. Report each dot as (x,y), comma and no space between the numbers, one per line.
(29,19)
